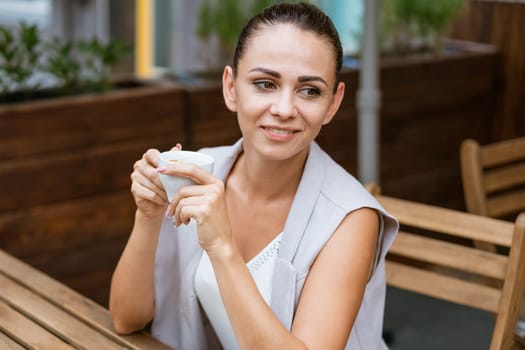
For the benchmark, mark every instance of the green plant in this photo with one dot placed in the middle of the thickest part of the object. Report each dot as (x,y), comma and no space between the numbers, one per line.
(99,57)
(409,25)
(62,63)
(19,54)
(72,66)
(224,19)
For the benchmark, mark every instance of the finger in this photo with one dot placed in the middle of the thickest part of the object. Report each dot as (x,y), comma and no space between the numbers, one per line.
(175,210)
(192,191)
(147,182)
(152,157)
(177,147)
(143,193)
(188,170)
(149,171)
(189,212)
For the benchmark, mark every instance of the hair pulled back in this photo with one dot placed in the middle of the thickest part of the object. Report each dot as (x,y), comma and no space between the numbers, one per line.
(305,16)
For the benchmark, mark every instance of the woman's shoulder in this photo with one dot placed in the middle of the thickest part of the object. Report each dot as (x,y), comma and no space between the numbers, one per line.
(340,186)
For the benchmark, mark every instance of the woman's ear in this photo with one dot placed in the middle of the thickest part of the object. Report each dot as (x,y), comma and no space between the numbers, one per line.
(228,89)
(336,102)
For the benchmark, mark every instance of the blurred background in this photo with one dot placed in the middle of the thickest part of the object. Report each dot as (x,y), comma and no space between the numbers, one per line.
(87,85)
(166,31)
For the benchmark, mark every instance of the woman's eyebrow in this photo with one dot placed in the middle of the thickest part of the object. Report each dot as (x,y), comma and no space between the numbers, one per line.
(301,79)
(266,71)
(307,78)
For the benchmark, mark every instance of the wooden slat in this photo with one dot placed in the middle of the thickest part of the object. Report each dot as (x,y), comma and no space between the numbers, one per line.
(87,268)
(48,315)
(503,152)
(26,332)
(62,238)
(443,287)
(7,343)
(67,225)
(72,302)
(462,224)
(472,177)
(47,179)
(449,254)
(505,177)
(513,287)
(56,125)
(506,203)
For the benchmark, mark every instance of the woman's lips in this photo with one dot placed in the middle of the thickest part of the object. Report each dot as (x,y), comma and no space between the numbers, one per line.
(278,134)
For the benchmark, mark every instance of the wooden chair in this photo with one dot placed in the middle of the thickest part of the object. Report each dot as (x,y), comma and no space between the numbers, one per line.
(432,256)
(493,177)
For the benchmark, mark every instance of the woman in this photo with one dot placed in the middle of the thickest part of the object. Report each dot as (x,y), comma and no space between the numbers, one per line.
(286,249)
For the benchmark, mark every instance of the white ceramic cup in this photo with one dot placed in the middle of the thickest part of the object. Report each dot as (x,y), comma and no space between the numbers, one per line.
(172,184)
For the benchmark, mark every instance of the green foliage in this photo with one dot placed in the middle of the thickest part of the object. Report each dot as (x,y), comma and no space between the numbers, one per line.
(19,55)
(98,58)
(74,64)
(416,24)
(225,19)
(63,63)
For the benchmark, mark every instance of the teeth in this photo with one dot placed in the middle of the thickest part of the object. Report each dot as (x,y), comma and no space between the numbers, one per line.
(280,131)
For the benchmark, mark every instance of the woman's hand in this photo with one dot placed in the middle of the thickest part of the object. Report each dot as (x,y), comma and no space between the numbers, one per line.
(205,203)
(147,190)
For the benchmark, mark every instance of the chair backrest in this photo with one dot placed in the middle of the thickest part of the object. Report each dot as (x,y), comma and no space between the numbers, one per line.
(493,177)
(432,256)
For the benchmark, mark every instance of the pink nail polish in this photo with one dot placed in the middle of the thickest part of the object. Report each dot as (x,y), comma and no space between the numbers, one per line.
(161,169)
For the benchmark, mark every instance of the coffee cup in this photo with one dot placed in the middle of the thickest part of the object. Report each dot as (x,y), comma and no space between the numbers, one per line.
(172,184)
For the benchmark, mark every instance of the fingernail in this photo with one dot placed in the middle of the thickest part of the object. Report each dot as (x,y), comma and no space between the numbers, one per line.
(161,169)
(168,213)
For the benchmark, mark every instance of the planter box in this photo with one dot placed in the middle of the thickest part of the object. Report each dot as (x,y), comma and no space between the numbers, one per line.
(65,205)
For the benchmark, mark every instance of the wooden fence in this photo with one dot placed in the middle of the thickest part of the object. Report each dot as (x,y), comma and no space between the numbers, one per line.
(502,24)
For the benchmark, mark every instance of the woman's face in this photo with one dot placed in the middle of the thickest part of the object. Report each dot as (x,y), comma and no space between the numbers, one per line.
(283,91)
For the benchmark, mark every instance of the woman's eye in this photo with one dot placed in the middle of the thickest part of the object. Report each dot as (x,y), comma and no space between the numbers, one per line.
(264,85)
(310,91)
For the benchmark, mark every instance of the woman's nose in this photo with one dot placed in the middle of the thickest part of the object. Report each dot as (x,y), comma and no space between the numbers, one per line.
(284,105)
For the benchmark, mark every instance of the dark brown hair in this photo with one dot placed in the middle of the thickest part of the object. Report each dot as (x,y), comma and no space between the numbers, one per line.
(305,16)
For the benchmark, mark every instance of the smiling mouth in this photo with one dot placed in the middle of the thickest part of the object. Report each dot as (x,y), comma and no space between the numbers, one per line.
(280,131)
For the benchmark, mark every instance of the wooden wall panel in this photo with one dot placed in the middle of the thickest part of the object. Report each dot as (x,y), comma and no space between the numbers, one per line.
(65,204)
(47,179)
(68,124)
(208,121)
(501,23)
(76,241)
(429,104)
(66,224)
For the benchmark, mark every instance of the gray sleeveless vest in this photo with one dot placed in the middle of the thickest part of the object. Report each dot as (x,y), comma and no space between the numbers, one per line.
(326,194)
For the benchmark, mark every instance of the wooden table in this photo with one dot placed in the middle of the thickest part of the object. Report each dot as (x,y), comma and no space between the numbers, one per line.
(38,312)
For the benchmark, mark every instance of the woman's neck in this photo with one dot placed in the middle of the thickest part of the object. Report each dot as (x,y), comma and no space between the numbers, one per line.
(263,179)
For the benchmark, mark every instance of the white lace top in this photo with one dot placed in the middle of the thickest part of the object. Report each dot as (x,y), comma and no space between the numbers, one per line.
(261,267)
